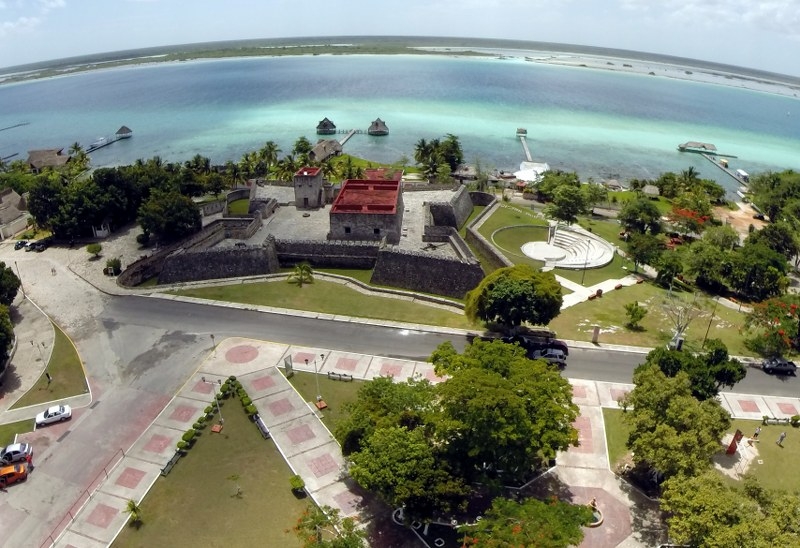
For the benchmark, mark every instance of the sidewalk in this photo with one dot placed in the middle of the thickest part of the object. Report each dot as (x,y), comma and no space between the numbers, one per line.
(313,453)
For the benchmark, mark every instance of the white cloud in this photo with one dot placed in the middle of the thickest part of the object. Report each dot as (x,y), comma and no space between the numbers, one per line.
(20,25)
(782,16)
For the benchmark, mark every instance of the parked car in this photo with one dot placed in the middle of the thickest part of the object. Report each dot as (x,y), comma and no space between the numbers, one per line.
(20,244)
(16,452)
(780,366)
(534,343)
(57,413)
(12,474)
(554,356)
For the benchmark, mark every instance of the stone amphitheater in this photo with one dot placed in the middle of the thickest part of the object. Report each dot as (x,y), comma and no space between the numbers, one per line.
(571,247)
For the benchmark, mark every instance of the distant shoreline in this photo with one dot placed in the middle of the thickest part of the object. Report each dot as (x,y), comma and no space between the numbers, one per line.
(610,62)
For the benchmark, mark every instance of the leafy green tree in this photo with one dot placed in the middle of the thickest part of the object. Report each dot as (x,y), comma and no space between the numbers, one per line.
(567,203)
(757,272)
(779,237)
(777,325)
(773,192)
(215,184)
(303,274)
(669,265)
(554,524)
(708,372)
(451,152)
(94,249)
(723,237)
(513,295)
(403,468)
(6,332)
(383,403)
(302,146)
(169,215)
(671,431)
(593,194)
(553,179)
(9,284)
(643,248)
(501,416)
(706,263)
(640,215)
(324,528)
(635,313)
(45,200)
(706,511)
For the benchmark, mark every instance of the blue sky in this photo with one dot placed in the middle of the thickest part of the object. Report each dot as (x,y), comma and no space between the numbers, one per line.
(749,33)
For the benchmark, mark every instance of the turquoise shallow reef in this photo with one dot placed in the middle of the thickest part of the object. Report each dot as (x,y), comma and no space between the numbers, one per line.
(600,123)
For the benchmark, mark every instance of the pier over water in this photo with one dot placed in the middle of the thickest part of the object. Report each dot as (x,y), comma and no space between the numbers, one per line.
(522,133)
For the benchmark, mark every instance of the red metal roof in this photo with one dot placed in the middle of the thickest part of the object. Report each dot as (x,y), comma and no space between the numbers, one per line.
(307,171)
(383,174)
(364,196)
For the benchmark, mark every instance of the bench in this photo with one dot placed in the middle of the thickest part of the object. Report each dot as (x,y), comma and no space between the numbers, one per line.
(261,426)
(175,458)
(340,376)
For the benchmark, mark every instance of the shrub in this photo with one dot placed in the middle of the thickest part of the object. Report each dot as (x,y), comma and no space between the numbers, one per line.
(246,401)
(199,425)
(297,483)
(182,446)
(115,265)
(209,410)
(94,249)
(189,435)
(143,238)
(795,420)
(251,410)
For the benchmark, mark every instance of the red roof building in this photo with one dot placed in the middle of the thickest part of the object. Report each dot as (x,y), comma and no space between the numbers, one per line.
(367,210)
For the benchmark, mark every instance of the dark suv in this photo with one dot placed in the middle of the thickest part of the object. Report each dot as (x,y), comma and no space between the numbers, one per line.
(780,366)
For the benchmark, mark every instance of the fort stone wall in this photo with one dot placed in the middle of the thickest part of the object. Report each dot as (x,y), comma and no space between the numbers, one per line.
(417,271)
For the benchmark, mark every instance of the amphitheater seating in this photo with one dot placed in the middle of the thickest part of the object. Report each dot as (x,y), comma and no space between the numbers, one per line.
(582,250)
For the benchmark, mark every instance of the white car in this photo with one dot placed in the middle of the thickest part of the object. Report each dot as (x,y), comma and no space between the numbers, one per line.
(57,413)
(16,452)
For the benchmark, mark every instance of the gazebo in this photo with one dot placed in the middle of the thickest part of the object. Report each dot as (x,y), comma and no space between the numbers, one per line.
(378,127)
(326,127)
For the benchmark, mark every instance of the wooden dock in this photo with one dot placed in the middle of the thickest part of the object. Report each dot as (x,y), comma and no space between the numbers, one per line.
(732,174)
(523,139)
(350,133)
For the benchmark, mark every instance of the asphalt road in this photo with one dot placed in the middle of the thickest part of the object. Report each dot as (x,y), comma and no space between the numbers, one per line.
(201,321)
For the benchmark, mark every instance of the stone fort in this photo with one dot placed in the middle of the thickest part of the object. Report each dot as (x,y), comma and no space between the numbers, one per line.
(407,233)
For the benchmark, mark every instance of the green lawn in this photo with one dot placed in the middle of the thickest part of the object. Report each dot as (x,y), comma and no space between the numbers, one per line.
(663,205)
(196,504)
(509,215)
(335,393)
(67,373)
(476,210)
(239,207)
(8,431)
(329,298)
(608,312)
(608,229)
(612,271)
(778,468)
(616,435)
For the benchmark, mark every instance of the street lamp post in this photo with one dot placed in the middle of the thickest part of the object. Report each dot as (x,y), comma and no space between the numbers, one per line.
(216,399)
(316,378)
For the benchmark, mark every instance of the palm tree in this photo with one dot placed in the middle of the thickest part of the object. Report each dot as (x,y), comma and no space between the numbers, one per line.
(233,173)
(287,167)
(303,274)
(269,155)
(75,148)
(133,509)
(329,169)
(421,151)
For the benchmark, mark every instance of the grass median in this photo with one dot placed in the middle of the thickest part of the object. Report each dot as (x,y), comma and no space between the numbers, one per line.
(329,298)
(66,372)
(231,489)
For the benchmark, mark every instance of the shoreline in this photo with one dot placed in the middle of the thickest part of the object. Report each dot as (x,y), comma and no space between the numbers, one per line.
(627,65)
(623,65)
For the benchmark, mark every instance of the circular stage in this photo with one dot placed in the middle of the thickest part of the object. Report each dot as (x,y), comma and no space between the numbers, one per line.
(543,251)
